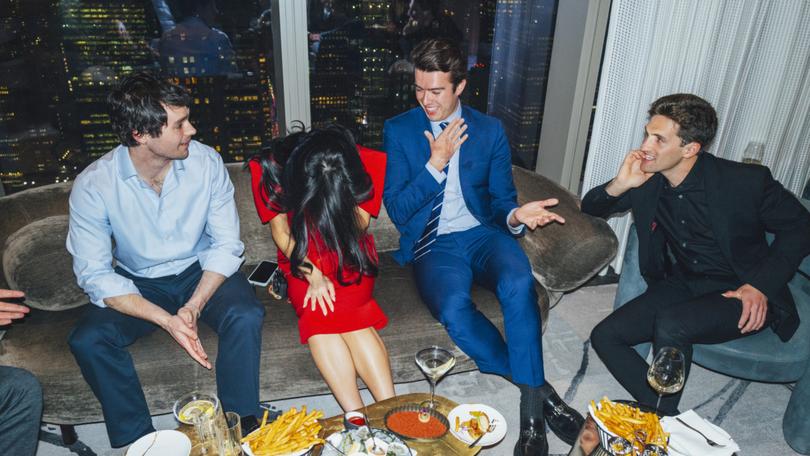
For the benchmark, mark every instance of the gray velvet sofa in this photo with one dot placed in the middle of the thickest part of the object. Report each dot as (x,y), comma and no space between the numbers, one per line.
(33,227)
(762,357)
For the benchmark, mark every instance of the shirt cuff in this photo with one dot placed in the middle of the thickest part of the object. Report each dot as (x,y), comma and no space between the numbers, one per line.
(109,285)
(514,229)
(219,262)
(440,176)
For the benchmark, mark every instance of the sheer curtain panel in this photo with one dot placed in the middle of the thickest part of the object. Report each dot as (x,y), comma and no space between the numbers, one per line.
(749,58)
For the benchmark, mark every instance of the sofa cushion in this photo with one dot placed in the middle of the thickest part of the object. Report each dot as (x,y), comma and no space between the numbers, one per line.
(36,261)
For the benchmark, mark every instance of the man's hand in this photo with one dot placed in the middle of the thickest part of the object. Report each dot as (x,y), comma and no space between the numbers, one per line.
(8,311)
(534,214)
(189,313)
(754,307)
(630,174)
(446,144)
(178,327)
(321,291)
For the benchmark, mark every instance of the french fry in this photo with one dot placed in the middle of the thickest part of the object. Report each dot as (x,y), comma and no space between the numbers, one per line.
(630,422)
(294,430)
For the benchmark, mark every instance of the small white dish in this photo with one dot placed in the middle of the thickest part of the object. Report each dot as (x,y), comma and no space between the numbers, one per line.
(463,413)
(161,443)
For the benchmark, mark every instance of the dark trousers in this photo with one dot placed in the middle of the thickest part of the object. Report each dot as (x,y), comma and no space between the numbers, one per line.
(495,260)
(99,343)
(676,312)
(20,412)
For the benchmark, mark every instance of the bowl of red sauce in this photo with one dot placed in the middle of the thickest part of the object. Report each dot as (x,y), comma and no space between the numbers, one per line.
(417,423)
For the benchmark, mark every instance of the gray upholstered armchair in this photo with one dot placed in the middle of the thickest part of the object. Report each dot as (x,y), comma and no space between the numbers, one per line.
(762,357)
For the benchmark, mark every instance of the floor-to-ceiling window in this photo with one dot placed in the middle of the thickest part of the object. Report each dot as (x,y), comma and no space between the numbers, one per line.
(58,59)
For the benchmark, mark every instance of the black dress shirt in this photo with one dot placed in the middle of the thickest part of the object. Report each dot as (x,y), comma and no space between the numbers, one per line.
(683,214)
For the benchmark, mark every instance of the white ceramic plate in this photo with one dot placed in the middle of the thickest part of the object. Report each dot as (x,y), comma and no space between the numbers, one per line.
(161,443)
(463,413)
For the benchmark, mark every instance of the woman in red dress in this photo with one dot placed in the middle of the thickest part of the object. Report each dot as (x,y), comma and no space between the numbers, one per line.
(319,193)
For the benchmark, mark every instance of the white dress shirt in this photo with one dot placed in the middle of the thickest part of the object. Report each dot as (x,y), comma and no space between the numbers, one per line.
(193,219)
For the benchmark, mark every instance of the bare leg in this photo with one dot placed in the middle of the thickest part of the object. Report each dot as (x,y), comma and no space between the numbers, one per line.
(371,361)
(334,360)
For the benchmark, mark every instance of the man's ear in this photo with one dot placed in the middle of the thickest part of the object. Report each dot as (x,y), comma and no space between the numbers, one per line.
(460,87)
(691,149)
(139,137)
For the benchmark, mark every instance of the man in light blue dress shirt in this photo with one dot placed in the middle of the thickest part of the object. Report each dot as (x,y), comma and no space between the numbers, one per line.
(168,203)
(449,192)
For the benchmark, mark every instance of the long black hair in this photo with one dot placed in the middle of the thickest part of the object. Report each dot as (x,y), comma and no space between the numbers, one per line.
(319,178)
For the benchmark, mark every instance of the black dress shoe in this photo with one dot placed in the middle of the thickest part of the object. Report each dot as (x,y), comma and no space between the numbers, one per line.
(564,421)
(532,440)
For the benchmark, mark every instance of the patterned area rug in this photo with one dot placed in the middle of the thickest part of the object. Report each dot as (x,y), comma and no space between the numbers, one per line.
(750,412)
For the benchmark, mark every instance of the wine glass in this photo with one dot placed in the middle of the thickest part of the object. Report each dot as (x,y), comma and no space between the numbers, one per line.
(434,362)
(666,374)
(754,153)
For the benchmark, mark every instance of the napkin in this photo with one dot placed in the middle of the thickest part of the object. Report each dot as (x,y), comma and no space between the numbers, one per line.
(686,442)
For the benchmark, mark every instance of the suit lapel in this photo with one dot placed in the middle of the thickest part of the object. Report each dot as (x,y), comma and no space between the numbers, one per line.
(644,217)
(467,150)
(714,200)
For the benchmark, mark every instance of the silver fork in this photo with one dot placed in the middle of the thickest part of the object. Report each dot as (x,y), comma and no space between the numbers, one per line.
(708,440)
(489,429)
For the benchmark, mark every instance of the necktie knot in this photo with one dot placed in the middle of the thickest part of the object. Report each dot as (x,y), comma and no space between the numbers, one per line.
(443,125)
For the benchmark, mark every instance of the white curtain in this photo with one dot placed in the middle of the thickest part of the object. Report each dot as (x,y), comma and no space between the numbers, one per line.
(749,58)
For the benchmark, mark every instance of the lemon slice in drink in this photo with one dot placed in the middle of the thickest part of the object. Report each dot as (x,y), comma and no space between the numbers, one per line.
(194,409)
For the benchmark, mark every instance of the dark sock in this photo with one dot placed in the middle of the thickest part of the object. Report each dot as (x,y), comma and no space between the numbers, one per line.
(531,403)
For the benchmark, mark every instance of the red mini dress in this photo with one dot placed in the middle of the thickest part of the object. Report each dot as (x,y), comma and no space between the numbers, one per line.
(355,307)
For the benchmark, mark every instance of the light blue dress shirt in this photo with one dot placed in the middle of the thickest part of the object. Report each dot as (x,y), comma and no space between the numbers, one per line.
(455,216)
(193,219)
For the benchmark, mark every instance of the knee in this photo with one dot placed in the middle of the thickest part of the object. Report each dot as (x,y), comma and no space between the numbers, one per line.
(84,340)
(516,285)
(245,315)
(602,336)
(23,387)
(453,309)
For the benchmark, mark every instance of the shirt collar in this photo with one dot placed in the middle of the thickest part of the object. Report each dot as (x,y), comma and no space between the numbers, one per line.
(693,180)
(126,169)
(453,116)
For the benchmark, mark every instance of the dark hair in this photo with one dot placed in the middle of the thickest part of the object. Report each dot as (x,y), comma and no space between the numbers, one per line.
(440,54)
(137,105)
(696,118)
(319,178)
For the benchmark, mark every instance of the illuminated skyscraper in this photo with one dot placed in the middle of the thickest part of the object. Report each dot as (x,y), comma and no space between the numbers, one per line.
(102,40)
(30,140)
(521,53)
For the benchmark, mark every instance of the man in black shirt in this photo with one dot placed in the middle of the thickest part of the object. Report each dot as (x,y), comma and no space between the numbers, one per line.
(701,223)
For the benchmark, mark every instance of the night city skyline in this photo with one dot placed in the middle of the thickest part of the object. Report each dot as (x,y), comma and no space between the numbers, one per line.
(58,59)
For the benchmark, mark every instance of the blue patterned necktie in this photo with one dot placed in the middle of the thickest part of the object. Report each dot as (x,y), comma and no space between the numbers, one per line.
(422,246)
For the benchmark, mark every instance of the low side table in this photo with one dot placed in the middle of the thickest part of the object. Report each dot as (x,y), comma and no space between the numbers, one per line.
(447,445)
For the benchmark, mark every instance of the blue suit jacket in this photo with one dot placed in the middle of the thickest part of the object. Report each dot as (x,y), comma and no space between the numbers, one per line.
(485,169)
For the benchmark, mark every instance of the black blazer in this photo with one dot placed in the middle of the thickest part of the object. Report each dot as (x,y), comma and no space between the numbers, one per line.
(745,201)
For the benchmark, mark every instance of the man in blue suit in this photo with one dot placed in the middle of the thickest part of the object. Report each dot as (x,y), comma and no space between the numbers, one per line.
(449,191)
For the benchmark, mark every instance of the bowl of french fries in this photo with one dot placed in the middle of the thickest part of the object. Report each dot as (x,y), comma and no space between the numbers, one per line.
(291,434)
(629,422)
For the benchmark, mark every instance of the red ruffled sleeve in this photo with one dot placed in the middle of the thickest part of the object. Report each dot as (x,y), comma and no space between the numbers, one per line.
(259,193)
(374,162)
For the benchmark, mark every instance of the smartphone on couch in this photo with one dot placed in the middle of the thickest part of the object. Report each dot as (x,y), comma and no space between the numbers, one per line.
(263,274)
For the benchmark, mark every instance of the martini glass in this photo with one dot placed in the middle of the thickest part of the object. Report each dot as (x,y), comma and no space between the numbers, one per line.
(434,362)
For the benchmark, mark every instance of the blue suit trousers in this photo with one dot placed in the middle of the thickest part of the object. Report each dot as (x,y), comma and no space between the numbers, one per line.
(99,342)
(493,259)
